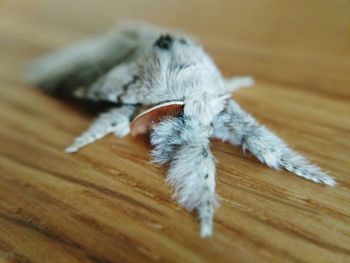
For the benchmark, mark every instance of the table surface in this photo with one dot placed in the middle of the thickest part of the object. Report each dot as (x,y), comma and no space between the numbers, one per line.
(108,203)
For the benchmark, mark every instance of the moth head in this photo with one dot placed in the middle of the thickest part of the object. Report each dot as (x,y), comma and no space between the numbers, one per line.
(175,67)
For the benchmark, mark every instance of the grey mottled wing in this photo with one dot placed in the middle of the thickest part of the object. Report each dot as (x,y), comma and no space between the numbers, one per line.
(100,68)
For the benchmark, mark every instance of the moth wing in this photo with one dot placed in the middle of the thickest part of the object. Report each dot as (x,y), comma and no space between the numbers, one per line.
(118,85)
(84,64)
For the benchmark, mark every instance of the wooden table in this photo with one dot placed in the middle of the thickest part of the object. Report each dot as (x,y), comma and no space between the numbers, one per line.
(108,203)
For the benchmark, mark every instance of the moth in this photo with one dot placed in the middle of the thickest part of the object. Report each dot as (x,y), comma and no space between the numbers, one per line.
(172,86)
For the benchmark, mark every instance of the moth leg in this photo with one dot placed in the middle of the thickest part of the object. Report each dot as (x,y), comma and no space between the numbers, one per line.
(240,128)
(116,121)
(238,82)
(183,143)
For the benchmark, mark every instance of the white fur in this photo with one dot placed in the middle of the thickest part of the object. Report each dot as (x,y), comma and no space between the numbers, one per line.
(238,127)
(184,144)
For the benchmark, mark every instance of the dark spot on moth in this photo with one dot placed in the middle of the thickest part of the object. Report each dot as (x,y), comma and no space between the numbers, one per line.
(177,133)
(183,41)
(182,66)
(204,152)
(206,176)
(164,42)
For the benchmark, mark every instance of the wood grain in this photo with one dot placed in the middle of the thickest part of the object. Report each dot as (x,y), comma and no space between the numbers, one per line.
(108,203)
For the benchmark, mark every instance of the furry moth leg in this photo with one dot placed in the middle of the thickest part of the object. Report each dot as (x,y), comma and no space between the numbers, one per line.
(116,121)
(183,143)
(240,128)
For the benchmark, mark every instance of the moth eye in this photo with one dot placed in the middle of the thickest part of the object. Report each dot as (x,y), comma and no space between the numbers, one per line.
(164,42)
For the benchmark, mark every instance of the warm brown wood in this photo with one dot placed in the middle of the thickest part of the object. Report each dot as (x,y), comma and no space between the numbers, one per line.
(109,204)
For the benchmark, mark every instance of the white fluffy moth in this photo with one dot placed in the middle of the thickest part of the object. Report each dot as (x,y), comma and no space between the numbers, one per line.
(177,93)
